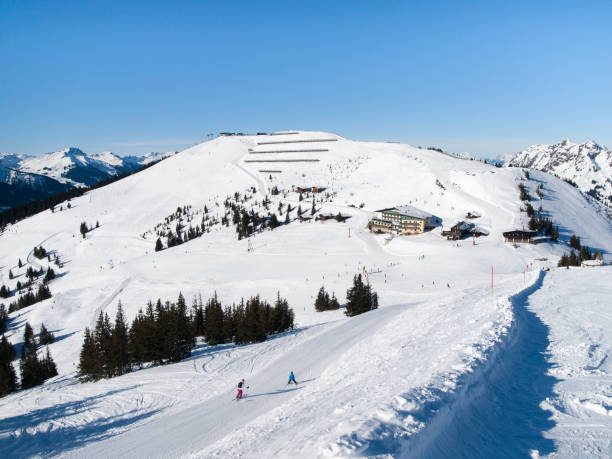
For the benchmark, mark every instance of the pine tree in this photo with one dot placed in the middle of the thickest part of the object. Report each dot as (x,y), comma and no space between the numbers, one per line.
(313,210)
(11,274)
(3,318)
(103,340)
(360,298)
(333,303)
(45,336)
(29,345)
(49,369)
(8,378)
(83,229)
(574,242)
(158,245)
(322,301)
(20,264)
(90,368)
(119,344)
(31,370)
(274,221)
(49,276)
(213,322)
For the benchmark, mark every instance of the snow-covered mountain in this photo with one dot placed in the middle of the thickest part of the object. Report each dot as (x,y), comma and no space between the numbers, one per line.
(449,339)
(24,178)
(589,165)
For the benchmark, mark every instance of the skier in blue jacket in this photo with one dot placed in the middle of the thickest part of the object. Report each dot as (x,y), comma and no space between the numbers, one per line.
(292,379)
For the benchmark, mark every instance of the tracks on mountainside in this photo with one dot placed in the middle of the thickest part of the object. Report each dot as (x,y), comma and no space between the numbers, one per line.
(109,300)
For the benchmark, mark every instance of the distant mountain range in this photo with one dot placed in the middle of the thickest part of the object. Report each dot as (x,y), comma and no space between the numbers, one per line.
(24,178)
(588,165)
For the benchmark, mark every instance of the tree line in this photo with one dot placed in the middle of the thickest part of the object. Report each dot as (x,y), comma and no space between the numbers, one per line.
(166,332)
(579,253)
(34,369)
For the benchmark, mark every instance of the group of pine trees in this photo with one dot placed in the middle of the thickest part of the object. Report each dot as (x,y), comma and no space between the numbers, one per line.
(524,193)
(360,298)
(537,221)
(30,297)
(40,252)
(166,333)
(324,302)
(34,369)
(578,254)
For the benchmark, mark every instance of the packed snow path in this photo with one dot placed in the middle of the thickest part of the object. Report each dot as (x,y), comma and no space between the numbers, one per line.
(193,429)
(498,413)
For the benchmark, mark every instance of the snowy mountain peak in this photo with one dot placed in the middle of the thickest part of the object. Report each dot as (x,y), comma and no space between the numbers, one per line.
(589,164)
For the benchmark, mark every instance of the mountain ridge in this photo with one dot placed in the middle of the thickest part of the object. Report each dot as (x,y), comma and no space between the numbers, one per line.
(588,165)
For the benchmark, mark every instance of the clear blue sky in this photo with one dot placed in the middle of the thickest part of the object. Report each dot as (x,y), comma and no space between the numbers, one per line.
(131,77)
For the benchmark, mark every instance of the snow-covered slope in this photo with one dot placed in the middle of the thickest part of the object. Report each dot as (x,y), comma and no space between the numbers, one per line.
(589,165)
(370,385)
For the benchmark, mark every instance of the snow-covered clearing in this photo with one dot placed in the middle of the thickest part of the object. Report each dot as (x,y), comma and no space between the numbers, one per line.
(443,365)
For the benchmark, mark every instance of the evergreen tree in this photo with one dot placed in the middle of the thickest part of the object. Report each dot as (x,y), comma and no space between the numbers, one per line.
(20,264)
(50,275)
(3,318)
(119,343)
(197,317)
(31,370)
(103,340)
(274,221)
(213,322)
(322,301)
(11,274)
(333,303)
(184,341)
(158,245)
(313,210)
(90,368)
(360,298)
(29,345)
(83,229)
(574,242)
(49,369)
(8,378)
(45,336)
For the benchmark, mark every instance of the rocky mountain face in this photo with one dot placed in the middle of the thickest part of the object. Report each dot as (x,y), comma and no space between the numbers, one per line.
(24,178)
(588,165)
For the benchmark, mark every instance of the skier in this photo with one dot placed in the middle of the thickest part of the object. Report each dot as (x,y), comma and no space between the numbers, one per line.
(292,379)
(241,384)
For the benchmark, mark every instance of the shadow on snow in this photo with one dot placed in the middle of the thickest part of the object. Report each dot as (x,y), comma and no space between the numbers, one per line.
(56,434)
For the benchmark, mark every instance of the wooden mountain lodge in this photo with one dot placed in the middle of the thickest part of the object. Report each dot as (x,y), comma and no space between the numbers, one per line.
(515,236)
(459,231)
(309,189)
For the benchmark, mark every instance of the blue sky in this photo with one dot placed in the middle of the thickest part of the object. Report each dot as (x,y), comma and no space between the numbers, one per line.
(131,77)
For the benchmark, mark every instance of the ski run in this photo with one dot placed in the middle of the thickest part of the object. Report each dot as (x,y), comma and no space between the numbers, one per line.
(479,348)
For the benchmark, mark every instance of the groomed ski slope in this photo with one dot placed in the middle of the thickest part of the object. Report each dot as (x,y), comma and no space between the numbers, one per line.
(368,389)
